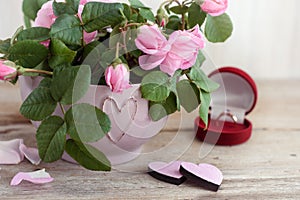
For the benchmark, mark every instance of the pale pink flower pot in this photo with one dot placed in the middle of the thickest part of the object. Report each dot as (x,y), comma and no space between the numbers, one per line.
(128,112)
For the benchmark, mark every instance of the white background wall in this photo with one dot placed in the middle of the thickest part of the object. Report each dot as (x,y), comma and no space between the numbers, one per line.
(265,42)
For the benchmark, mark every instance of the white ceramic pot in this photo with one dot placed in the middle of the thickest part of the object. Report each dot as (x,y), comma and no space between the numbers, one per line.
(128,112)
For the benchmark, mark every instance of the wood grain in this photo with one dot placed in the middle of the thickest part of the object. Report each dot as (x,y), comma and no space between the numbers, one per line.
(266,167)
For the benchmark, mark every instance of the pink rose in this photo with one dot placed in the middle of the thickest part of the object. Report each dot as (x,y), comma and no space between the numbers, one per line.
(7,73)
(151,41)
(117,78)
(179,52)
(214,7)
(46,17)
(185,46)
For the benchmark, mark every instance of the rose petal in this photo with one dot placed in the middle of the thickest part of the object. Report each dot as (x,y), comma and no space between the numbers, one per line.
(148,62)
(13,152)
(10,152)
(150,40)
(37,177)
(31,154)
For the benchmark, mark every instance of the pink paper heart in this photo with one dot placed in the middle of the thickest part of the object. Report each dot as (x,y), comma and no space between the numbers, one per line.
(122,116)
(167,172)
(206,175)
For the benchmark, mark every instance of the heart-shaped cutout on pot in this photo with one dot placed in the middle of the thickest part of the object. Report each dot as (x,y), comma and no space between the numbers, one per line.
(167,172)
(205,175)
(121,116)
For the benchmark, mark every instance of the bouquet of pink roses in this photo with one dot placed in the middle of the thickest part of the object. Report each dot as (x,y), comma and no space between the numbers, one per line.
(75,43)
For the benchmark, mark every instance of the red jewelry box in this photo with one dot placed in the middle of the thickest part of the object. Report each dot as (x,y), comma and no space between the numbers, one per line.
(236,97)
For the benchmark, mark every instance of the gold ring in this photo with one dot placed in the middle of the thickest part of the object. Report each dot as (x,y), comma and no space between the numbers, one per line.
(227,113)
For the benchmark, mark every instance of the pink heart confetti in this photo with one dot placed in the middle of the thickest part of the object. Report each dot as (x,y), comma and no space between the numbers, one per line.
(167,172)
(36,177)
(206,175)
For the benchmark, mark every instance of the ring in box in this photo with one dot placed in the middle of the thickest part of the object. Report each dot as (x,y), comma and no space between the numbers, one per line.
(235,98)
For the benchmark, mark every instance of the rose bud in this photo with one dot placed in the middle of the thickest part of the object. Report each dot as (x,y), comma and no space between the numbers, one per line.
(8,71)
(117,77)
(214,7)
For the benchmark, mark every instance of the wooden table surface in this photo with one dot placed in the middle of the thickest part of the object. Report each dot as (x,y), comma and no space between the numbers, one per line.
(266,167)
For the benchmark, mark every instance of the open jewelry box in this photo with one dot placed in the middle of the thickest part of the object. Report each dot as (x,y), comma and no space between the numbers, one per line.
(235,98)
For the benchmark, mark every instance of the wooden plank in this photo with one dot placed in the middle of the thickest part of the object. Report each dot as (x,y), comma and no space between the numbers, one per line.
(258,169)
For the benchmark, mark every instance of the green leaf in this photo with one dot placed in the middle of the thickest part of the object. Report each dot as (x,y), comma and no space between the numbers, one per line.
(38,105)
(195,15)
(69,7)
(146,13)
(14,37)
(204,107)
(201,80)
(139,71)
(68,29)
(4,46)
(27,22)
(87,123)
(200,59)
(218,29)
(60,53)
(35,33)
(115,37)
(154,86)
(167,8)
(127,11)
(87,156)
(137,4)
(159,110)
(51,138)
(137,18)
(188,95)
(173,24)
(45,83)
(92,56)
(71,84)
(31,7)
(173,83)
(97,15)
(28,53)
(179,9)
(107,57)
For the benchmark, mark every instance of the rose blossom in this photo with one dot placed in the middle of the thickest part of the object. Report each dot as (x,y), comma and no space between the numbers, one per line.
(214,7)
(46,17)
(117,78)
(151,41)
(185,46)
(179,52)
(7,73)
